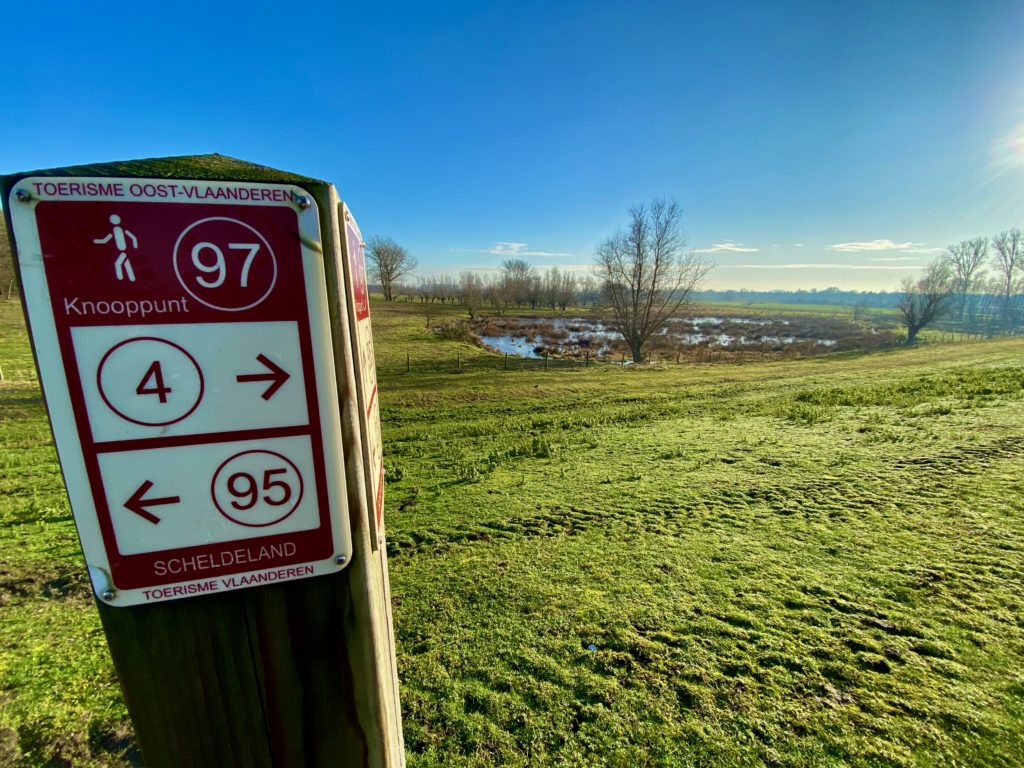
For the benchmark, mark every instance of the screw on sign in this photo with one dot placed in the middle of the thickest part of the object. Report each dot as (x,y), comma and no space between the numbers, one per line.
(194,383)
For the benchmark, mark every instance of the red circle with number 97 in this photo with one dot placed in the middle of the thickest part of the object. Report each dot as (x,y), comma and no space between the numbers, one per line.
(225,264)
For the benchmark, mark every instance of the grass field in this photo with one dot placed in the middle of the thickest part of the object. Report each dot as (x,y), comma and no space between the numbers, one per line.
(798,563)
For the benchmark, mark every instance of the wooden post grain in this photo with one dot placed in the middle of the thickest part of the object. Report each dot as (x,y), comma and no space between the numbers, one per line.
(300,673)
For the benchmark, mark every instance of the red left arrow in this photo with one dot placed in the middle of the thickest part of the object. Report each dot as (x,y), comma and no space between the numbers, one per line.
(138,504)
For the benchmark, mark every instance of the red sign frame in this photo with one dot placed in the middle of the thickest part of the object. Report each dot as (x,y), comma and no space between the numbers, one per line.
(109,266)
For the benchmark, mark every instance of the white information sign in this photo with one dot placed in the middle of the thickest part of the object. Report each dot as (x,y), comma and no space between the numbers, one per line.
(184,344)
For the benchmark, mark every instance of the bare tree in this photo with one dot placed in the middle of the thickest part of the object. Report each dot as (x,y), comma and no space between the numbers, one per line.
(927,299)
(589,290)
(471,289)
(566,293)
(447,289)
(534,290)
(500,293)
(517,276)
(390,262)
(1008,260)
(559,288)
(860,309)
(966,261)
(647,272)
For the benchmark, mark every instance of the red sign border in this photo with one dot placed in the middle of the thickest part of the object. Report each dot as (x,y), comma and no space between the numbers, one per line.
(81,471)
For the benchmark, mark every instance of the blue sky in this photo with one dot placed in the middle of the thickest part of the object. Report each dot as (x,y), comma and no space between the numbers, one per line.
(810,144)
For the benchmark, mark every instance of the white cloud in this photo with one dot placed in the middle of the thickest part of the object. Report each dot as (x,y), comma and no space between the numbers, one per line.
(726,247)
(872,245)
(518,249)
(811,266)
(896,258)
(508,249)
(798,245)
(589,267)
(884,245)
(580,270)
(922,250)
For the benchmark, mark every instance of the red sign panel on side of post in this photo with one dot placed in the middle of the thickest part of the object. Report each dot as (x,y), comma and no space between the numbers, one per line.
(182,334)
(373,453)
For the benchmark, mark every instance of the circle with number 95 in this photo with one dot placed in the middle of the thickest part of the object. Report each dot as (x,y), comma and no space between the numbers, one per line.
(257,488)
(225,264)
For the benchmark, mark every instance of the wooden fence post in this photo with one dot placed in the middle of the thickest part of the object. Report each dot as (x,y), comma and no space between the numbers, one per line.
(295,673)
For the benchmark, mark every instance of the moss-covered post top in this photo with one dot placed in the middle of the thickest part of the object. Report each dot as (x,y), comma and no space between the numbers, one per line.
(212,167)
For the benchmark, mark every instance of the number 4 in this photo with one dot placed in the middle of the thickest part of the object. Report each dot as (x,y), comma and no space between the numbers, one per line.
(156,374)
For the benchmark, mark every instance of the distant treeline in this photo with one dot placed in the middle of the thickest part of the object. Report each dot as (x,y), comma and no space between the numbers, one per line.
(831,296)
(984,288)
(533,289)
(557,290)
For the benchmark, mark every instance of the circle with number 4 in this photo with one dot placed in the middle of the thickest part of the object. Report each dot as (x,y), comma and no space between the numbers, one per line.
(257,488)
(225,264)
(150,381)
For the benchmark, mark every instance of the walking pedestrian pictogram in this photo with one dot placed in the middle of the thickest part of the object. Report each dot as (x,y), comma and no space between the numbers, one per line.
(122,266)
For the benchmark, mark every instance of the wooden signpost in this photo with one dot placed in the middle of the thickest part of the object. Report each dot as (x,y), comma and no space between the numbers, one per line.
(208,370)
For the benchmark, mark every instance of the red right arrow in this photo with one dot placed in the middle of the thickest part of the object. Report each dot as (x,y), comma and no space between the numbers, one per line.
(277,375)
(138,504)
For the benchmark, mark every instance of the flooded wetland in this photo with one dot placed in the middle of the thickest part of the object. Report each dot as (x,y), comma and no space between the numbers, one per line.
(685,336)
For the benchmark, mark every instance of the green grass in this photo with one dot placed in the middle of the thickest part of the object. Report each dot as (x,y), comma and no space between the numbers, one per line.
(790,563)
(59,701)
(775,309)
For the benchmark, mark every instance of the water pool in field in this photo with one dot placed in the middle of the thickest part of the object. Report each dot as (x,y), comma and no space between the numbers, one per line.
(532,337)
(561,335)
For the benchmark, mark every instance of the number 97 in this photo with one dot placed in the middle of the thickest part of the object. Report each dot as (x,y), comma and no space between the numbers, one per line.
(217,265)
